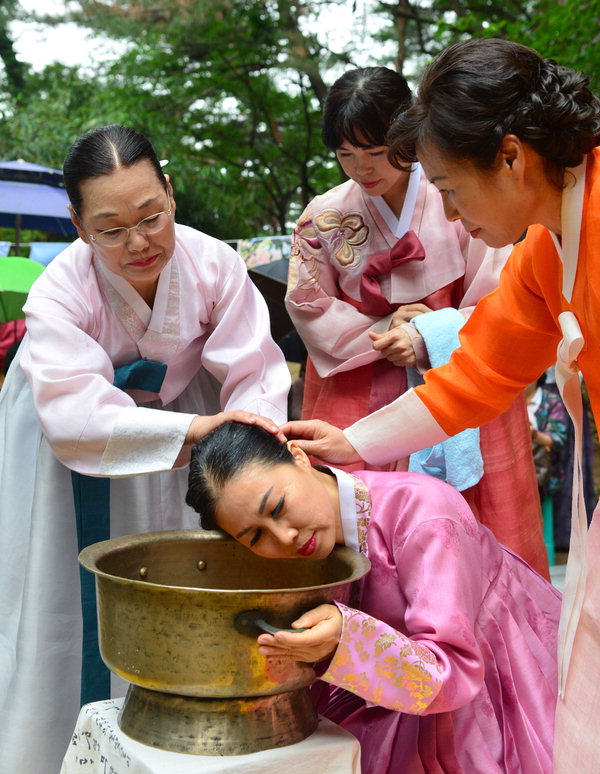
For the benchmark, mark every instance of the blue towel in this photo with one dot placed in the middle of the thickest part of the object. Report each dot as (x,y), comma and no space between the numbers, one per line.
(457,460)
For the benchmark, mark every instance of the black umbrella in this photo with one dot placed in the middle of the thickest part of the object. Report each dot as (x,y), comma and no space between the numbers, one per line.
(271,280)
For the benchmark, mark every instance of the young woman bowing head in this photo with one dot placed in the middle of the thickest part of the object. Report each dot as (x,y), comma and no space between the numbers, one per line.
(447,664)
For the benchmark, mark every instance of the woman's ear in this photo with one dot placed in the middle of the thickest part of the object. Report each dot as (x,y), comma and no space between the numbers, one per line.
(512,153)
(299,455)
(77,223)
(170,192)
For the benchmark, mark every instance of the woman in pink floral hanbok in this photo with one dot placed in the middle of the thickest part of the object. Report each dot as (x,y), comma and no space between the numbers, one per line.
(368,257)
(446,663)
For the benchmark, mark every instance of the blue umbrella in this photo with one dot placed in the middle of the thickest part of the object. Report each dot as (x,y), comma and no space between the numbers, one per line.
(33,196)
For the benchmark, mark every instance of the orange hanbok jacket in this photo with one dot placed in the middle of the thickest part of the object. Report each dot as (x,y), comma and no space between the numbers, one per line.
(509,340)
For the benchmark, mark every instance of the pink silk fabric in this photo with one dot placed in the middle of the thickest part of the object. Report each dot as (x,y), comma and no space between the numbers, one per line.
(447,660)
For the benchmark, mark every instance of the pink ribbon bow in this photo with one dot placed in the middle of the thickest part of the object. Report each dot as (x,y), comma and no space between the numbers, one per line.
(373,302)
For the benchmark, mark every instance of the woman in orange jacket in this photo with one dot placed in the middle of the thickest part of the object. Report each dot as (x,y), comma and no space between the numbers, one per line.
(510,140)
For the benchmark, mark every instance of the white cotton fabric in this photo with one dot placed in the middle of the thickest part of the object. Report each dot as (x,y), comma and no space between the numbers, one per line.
(374,436)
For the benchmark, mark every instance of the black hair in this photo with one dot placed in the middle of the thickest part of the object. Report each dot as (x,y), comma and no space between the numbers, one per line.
(221,455)
(101,151)
(542,379)
(360,106)
(479,90)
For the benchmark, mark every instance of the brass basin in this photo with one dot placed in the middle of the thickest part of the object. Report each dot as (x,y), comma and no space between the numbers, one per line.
(167,602)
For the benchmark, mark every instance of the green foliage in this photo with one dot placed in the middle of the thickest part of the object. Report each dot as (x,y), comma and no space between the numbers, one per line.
(568,32)
(231,91)
(55,113)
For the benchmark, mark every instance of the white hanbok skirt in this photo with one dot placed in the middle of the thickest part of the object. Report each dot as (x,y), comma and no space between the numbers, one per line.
(40,606)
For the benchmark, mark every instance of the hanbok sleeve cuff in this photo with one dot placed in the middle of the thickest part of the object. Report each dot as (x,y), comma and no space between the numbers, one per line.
(395,431)
(383,666)
(418,343)
(144,440)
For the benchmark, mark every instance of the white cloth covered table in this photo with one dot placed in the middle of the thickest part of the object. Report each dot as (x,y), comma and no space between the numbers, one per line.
(99,746)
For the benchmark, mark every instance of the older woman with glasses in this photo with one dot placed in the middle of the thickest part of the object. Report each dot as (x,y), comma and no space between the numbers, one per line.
(143,335)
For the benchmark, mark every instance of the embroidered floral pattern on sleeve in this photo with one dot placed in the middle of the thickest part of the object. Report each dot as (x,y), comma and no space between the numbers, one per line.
(375,661)
(306,255)
(383,666)
(343,234)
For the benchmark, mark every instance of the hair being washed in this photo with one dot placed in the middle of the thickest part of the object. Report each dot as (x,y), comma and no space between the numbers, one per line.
(360,106)
(101,151)
(478,91)
(221,455)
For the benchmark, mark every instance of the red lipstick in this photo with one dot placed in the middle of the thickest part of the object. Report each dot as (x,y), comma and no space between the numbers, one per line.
(309,547)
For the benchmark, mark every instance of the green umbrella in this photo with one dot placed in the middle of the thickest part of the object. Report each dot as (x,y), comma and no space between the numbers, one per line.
(17,275)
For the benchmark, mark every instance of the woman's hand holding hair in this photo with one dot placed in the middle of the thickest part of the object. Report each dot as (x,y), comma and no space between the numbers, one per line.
(322,440)
(202,425)
(324,625)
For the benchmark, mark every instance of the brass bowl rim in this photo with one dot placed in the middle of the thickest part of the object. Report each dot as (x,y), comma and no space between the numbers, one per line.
(89,557)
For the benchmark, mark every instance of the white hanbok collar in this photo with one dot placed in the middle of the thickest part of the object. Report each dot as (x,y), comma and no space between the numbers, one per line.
(572,207)
(568,382)
(156,331)
(130,295)
(399,226)
(347,507)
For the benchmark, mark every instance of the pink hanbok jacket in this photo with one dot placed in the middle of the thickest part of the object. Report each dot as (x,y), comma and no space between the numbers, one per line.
(333,240)
(208,324)
(447,660)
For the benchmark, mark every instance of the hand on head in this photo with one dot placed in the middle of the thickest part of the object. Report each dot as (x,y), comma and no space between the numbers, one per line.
(321,440)
(324,624)
(202,425)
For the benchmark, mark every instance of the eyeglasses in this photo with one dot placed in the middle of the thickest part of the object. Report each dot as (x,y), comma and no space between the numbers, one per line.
(114,237)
